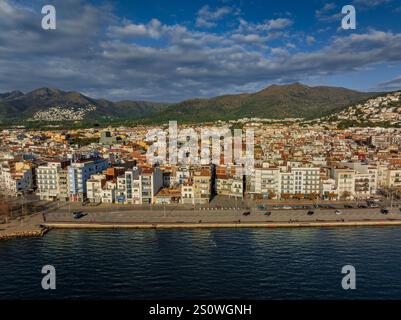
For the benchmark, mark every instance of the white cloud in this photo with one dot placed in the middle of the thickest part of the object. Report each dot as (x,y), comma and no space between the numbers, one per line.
(371,3)
(394,84)
(178,63)
(207,18)
(150,30)
(310,40)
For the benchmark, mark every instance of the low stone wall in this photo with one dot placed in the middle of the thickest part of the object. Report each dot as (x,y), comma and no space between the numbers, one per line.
(21,234)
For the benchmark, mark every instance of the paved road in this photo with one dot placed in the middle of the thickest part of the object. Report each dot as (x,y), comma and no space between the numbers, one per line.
(194,216)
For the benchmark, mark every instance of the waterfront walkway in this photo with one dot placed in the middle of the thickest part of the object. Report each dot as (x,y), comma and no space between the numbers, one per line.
(27,226)
(170,218)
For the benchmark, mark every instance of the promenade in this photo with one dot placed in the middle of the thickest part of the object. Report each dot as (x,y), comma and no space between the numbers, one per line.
(121,217)
(163,217)
(27,226)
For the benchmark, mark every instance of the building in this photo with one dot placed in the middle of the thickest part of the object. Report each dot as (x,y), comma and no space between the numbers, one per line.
(345,182)
(94,188)
(48,177)
(79,172)
(15,179)
(266,183)
(139,185)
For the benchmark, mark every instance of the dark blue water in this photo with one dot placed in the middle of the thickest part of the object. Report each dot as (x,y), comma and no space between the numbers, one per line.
(207,264)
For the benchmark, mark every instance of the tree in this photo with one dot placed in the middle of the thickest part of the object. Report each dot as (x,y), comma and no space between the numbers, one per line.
(332,195)
(345,195)
(272,194)
(313,196)
(298,196)
(285,196)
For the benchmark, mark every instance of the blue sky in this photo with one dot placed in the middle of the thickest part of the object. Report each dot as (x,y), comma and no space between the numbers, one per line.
(175,50)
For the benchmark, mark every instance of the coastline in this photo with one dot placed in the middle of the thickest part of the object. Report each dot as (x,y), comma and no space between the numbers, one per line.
(28,226)
(217,225)
(35,226)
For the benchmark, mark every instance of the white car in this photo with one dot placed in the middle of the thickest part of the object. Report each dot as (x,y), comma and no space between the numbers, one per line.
(287,207)
(338,212)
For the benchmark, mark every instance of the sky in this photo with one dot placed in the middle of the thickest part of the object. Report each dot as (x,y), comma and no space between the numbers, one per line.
(172,50)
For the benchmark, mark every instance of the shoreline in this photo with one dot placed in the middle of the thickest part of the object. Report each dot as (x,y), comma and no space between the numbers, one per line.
(25,234)
(218,225)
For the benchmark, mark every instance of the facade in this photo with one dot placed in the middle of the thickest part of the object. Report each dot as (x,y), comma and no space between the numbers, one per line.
(48,180)
(79,173)
(266,182)
(16,180)
(94,188)
(345,182)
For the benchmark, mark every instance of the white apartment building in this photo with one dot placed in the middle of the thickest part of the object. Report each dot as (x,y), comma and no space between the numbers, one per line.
(229,186)
(187,193)
(94,188)
(302,180)
(15,181)
(79,172)
(266,182)
(345,182)
(109,192)
(47,177)
(139,185)
(393,179)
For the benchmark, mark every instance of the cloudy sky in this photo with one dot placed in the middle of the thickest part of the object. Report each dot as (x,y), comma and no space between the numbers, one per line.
(179,49)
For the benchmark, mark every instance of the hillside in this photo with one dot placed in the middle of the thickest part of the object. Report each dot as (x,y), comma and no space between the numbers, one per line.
(383,110)
(46,104)
(277,101)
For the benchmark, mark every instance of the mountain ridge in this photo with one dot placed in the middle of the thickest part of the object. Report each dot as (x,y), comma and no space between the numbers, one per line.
(276,101)
(294,100)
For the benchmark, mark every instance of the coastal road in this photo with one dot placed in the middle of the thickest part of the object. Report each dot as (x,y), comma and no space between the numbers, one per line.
(227,216)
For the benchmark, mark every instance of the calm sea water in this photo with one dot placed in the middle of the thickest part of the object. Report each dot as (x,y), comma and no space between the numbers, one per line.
(204,264)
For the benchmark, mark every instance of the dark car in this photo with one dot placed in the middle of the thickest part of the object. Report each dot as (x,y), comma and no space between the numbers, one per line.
(78,215)
(384,211)
(348,206)
(246,213)
(310,213)
(362,206)
(267,213)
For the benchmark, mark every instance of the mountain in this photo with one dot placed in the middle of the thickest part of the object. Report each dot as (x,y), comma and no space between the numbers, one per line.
(383,110)
(57,105)
(276,101)
(10,95)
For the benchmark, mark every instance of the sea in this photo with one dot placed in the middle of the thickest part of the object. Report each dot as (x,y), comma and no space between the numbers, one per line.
(273,264)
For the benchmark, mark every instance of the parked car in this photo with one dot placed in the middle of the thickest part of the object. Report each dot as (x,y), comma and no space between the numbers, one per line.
(338,212)
(267,213)
(362,206)
(348,206)
(311,213)
(373,205)
(246,213)
(78,215)
(384,211)
(287,207)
